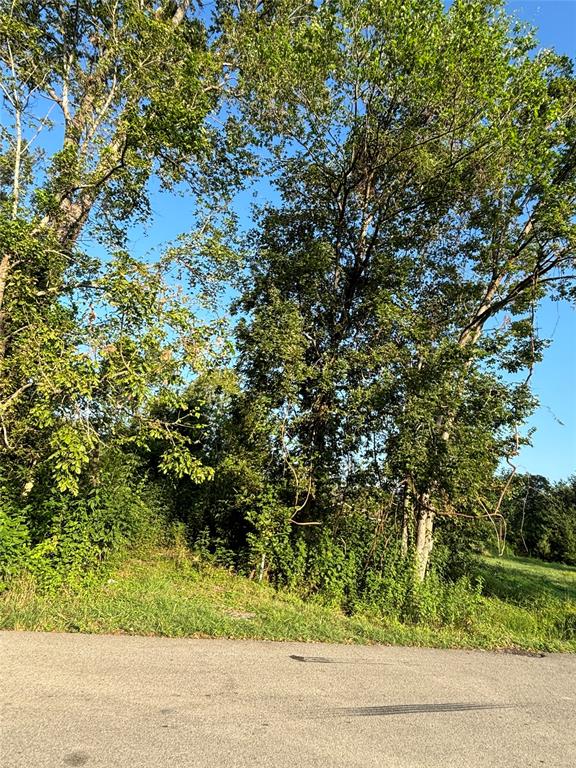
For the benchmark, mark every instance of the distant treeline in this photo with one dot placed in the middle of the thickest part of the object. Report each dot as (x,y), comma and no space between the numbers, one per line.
(541,518)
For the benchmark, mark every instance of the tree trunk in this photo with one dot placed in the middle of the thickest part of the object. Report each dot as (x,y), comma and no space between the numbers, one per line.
(406,516)
(4,268)
(424,538)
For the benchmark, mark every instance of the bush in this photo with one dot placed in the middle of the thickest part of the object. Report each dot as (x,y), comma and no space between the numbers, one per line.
(14,543)
(442,603)
(358,572)
(65,539)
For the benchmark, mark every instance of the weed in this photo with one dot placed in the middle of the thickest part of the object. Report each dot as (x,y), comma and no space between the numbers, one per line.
(169,592)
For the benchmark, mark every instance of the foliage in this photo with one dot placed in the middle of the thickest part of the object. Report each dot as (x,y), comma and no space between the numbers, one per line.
(430,191)
(89,345)
(14,543)
(419,174)
(162,594)
(542,518)
(101,100)
(59,538)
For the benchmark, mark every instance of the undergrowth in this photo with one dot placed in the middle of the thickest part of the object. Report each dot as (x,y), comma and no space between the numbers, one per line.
(173,592)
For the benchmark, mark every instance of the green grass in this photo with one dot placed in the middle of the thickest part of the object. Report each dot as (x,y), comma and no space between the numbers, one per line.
(523,579)
(166,593)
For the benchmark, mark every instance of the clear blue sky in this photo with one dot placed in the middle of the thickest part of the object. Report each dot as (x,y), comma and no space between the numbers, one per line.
(553,452)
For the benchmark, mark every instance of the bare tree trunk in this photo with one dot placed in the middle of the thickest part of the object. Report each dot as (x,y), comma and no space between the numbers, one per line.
(4,268)
(406,514)
(424,539)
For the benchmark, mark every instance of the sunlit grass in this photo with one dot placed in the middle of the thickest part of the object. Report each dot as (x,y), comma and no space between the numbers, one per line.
(523,579)
(167,594)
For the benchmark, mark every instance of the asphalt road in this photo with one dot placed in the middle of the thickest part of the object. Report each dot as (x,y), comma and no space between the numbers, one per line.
(134,702)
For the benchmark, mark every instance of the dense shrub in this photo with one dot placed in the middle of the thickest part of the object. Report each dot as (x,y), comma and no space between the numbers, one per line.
(355,568)
(14,542)
(63,538)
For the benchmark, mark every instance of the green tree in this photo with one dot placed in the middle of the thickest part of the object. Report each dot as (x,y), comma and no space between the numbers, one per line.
(104,102)
(427,206)
(542,518)
(102,98)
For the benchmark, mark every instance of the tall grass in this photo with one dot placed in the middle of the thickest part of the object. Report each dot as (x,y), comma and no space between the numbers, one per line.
(172,593)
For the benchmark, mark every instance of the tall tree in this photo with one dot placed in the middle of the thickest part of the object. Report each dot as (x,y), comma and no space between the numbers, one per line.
(102,100)
(428,204)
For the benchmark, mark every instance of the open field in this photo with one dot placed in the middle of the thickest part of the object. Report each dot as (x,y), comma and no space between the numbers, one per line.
(528,605)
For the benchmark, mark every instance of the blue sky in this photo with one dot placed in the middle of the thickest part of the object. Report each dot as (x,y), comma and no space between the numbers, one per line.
(553,452)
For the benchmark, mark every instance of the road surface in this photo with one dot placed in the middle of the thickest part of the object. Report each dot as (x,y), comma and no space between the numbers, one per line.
(135,702)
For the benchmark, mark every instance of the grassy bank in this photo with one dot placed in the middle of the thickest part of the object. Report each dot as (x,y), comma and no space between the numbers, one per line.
(528,605)
(523,580)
